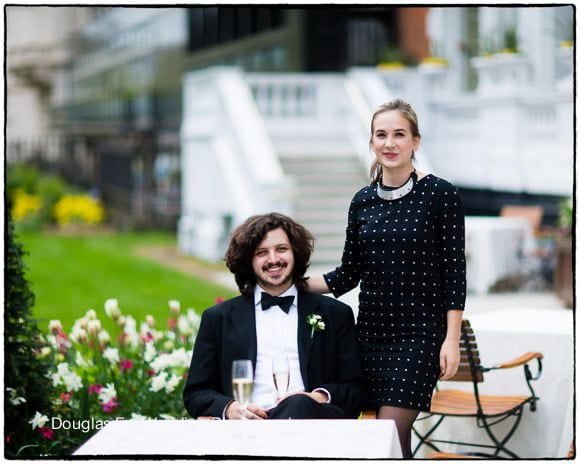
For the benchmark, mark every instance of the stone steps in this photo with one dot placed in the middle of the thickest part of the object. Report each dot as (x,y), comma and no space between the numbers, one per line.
(324,189)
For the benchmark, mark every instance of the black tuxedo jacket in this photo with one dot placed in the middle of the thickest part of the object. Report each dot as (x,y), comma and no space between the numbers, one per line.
(227,332)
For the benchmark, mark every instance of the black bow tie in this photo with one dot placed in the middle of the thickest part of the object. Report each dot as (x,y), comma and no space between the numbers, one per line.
(283,301)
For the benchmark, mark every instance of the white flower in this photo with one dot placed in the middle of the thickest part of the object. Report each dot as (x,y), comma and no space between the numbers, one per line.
(150,320)
(111,355)
(107,393)
(51,339)
(172,383)
(64,376)
(177,358)
(72,382)
(112,308)
(168,345)
(78,334)
(55,326)
(170,335)
(82,322)
(91,314)
(315,322)
(130,331)
(166,417)
(150,352)
(94,326)
(184,325)
(130,325)
(14,399)
(174,306)
(39,420)
(104,337)
(136,416)
(158,382)
(80,361)
(194,318)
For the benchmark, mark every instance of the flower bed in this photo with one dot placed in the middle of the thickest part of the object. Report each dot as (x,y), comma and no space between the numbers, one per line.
(136,373)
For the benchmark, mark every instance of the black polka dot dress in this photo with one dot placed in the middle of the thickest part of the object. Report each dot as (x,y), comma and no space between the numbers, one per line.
(409,257)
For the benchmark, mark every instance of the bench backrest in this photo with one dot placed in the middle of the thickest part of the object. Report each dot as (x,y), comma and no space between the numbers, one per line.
(469,363)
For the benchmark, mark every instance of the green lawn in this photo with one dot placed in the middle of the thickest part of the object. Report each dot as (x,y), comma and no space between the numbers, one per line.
(70,274)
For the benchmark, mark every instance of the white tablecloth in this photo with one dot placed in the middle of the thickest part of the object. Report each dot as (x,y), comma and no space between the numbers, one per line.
(357,439)
(492,247)
(503,335)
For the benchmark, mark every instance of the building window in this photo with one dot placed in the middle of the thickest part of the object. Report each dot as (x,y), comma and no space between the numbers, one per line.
(216,25)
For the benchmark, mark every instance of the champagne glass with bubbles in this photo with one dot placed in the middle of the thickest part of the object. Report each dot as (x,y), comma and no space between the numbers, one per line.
(242,381)
(281,374)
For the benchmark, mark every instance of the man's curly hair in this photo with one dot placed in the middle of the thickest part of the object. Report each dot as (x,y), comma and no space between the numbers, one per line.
(246,238)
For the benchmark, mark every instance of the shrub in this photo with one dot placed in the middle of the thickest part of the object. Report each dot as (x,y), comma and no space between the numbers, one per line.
(136,373)
(41,198)
(26,384)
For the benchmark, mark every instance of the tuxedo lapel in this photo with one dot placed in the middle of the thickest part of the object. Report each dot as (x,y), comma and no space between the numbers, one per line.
(307,304)
(244,320)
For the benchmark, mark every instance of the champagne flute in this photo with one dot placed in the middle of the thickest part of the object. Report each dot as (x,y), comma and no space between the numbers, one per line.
(281,374)
(242,382)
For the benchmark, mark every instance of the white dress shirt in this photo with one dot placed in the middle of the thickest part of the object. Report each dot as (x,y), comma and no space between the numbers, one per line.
(277,336)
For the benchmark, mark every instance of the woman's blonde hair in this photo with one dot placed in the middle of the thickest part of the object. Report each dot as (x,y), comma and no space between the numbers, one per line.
(408,113)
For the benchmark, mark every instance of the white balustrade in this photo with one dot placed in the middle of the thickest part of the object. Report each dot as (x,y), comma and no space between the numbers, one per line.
(505,143)
(304,112)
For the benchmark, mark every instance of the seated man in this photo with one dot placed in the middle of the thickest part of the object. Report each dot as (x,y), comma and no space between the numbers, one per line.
(269,255)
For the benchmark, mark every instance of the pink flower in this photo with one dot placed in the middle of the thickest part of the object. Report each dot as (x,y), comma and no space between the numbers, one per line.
(147,337)
(110,405)
(219,299)
(125,364)
(171,323)
(95,389)
(46,432)
(8,438)
(150,372)
(65,397)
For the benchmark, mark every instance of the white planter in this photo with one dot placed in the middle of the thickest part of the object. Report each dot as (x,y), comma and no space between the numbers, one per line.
(435,76)
(484,66)
(502,73)
(565,56)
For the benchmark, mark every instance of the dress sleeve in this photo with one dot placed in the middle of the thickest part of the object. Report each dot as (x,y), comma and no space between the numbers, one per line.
(347,276)
(452,249)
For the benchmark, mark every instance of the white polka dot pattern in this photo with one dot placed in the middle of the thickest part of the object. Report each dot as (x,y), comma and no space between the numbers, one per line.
(409,257)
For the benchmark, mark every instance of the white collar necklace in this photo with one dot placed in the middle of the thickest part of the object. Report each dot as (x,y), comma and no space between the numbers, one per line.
(394,194)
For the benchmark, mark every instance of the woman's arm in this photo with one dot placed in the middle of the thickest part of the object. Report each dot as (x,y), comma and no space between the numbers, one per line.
(317,284)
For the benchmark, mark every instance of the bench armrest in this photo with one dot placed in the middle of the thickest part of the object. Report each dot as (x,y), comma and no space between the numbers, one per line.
(519,361)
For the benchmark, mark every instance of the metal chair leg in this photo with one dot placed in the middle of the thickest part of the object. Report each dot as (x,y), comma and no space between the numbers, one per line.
(500,445)
(423,438)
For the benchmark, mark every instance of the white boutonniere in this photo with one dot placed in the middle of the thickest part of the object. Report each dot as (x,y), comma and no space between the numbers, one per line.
(316,323)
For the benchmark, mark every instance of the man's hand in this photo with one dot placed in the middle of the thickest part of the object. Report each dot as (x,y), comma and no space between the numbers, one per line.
(236,411)
(318,396)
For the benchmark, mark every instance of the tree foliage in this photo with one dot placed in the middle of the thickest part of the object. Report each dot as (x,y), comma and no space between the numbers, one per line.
(27,387)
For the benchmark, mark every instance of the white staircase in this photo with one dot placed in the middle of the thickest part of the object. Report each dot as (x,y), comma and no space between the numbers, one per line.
(324,187)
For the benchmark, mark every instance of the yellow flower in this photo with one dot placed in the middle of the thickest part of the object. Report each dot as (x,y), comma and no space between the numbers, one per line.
(78,209)
(391,65)
(435,60)
(24,204)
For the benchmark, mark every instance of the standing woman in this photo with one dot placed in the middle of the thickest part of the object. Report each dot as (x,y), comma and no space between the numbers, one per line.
(405,244)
